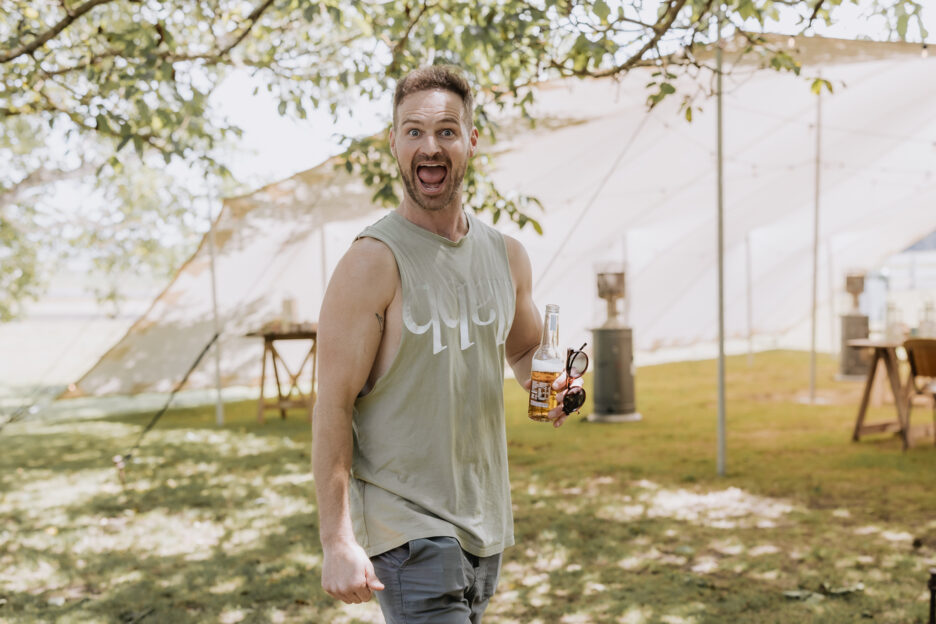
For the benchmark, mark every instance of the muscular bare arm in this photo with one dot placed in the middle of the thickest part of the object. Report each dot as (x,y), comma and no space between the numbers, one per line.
(526,330)
(349,335)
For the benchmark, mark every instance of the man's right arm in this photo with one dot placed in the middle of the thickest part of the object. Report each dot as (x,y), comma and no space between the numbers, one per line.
(349,334)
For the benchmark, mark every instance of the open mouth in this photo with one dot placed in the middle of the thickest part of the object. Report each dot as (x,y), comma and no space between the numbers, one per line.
(431,176)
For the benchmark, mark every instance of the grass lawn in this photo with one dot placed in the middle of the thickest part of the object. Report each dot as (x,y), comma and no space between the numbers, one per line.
(623,523)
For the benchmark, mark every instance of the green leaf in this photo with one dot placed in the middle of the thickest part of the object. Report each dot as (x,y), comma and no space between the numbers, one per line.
(818,84)
(101,123)
(123,142)
(902,21)
(601,10)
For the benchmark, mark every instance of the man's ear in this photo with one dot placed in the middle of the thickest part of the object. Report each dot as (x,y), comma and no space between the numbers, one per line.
(392,143)
(472,141)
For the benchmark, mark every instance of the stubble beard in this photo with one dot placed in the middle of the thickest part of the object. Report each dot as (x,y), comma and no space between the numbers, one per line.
(432,204)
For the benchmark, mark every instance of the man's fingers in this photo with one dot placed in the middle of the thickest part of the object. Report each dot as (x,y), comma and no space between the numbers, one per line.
(348,574)
(362,590)
(358,592)
(358,595)
(371,579)
(343,596)
(348,596)
(558,418)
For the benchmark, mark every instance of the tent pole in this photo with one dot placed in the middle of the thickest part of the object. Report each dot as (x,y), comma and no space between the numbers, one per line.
(219,404)
(721,255)
(627,296)
(750,304)
(833,343)
(324,257)
(815,250)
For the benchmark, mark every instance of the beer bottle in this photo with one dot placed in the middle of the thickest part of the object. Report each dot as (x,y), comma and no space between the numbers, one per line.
(547,366)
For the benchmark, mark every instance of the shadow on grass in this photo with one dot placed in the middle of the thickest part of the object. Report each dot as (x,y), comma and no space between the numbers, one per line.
(614,523)
(576,562)
(210,525)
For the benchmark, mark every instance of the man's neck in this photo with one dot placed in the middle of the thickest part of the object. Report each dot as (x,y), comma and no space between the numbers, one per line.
(449,222)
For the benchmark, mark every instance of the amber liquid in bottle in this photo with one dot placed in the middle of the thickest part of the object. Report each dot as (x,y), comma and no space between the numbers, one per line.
(547,366)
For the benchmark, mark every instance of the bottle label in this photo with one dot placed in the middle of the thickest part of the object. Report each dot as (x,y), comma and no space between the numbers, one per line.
(541,392)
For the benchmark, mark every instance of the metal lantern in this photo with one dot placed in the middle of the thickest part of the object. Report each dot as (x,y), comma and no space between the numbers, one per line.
(854,286)
(853,362)
(613,395)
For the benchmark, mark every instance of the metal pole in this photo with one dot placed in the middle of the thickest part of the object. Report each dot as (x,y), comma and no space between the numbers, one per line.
(832,317)
(323,258)
(627,295)
(219,404)
(721,257)
(750,303)
(815,251)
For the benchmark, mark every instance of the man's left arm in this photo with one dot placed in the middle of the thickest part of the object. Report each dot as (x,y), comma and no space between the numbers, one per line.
(527,328)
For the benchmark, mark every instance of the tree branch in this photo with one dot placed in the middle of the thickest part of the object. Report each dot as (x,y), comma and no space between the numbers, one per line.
(64,23)
(659,29)
(84,64)
(815,13)
(251,22)
(629,20)
(401,43)
(41,177)
(213,57)
(77,119)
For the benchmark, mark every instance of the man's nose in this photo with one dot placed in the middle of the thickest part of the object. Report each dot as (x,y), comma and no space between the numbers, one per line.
(430,146)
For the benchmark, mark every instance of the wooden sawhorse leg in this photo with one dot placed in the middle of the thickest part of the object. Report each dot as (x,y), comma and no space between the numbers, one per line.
(261,404)
(866,396)
(890,363)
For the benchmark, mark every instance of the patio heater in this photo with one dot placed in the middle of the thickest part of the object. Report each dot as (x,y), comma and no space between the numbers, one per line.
(613,348)
(853,364)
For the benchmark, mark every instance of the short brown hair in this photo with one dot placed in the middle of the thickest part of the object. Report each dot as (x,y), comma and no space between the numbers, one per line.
(443,77)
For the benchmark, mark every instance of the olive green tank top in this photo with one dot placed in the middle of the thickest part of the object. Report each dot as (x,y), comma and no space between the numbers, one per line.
(430,450)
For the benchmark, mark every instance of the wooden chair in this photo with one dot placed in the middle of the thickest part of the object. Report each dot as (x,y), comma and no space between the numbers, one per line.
(921,352)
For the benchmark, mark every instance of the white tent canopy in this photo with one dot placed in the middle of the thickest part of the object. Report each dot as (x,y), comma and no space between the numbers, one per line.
(618,183)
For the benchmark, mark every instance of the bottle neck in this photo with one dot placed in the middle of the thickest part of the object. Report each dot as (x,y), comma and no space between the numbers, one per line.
(550,338)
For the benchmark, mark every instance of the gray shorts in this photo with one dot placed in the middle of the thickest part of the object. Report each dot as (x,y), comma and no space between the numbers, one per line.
(434,581)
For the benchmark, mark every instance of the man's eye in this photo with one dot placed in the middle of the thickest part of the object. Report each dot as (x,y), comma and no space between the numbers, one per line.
(413,132)
(448,133)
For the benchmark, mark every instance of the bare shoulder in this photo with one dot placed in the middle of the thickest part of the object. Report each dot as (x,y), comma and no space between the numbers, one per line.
(369,255)
(367,267)
(520,266)
(364,282)
(514,246)
(362,286)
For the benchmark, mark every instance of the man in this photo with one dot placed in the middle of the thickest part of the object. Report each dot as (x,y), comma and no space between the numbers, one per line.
(410,456)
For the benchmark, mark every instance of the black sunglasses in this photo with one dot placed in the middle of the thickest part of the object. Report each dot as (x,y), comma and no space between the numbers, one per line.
(576,363)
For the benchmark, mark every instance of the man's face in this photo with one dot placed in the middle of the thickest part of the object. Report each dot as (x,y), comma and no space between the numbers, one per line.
(432,143)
